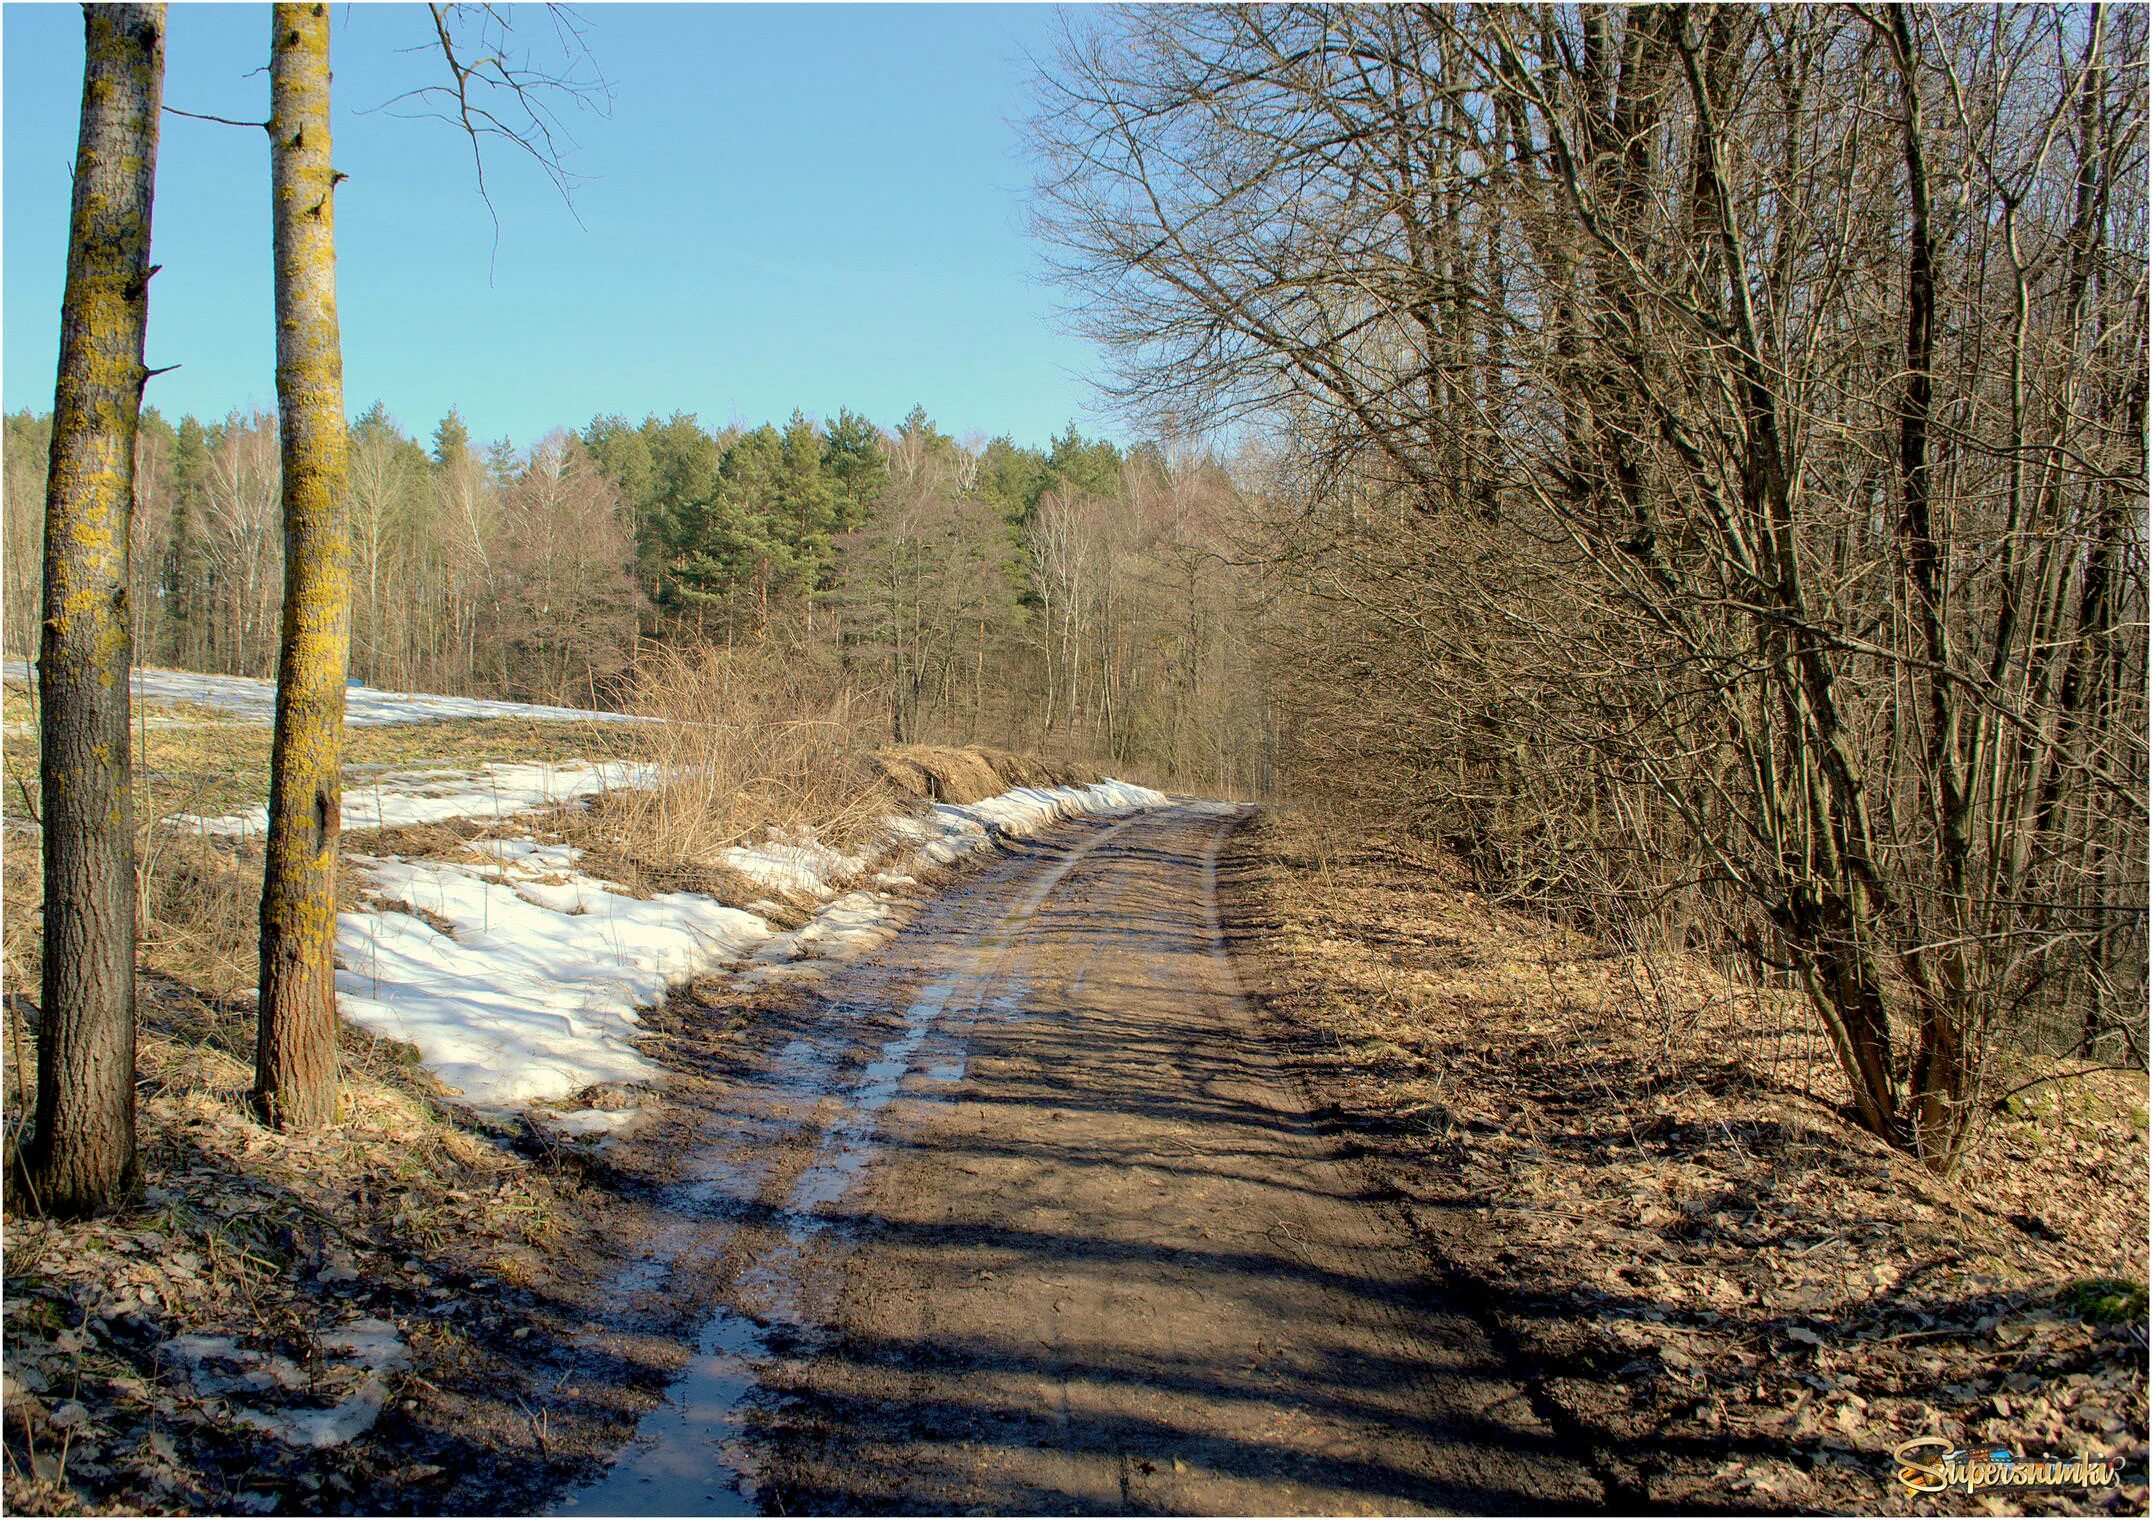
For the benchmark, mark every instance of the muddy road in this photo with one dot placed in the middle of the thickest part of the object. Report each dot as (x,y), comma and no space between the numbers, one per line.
(1020,1216)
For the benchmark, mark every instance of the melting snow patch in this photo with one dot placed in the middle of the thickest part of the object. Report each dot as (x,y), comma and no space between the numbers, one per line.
(253,700)
(370,1349)
(848,928)
(802,864)
(582,1123)
(953,830)
(534,991)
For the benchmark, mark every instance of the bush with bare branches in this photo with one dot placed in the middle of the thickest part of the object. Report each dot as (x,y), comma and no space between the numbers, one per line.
(1717,440)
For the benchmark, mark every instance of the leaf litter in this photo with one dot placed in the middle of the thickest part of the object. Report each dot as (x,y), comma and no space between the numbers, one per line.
(1641,1175)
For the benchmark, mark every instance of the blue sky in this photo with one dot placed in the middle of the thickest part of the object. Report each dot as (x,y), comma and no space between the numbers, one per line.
(806,206)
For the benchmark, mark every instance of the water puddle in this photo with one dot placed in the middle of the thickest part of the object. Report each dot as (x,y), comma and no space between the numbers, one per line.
(691,1454)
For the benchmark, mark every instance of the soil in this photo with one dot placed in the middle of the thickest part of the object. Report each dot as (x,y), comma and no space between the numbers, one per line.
(1021,1217)
(1074,1199)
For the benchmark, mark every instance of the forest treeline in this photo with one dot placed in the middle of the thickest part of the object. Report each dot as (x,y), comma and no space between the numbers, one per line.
(1713,444)
(1079,595)
(1690,460)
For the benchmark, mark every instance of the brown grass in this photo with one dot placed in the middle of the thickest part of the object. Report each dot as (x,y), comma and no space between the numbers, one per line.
(1643,1174)
(753,739)
(972,773)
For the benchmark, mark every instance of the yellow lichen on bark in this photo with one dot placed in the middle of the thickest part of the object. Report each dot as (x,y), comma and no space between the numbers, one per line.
(82,1153)
(295,1062)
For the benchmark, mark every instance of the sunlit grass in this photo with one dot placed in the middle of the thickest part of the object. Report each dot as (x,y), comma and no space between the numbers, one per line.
(184,765)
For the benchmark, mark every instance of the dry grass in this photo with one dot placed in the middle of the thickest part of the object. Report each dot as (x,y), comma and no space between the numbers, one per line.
(753,739)
(971,773)
(1642,1174)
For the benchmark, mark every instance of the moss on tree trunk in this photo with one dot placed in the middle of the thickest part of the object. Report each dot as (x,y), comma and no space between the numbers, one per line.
(82,1156)
(295,1059)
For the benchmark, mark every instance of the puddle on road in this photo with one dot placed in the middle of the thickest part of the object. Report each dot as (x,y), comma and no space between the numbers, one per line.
(731,1167)
(691,1455)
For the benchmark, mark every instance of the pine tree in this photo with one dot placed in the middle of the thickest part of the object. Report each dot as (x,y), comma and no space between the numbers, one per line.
(739,545)
(854,459)
(684,463)
(451,439)
(82,1156)
(1090,465)
(803,505)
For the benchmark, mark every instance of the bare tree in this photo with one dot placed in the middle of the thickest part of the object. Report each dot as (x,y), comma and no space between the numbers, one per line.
(82,1155)
(1608,351)
(295,1058)
(565,603)
(246,576)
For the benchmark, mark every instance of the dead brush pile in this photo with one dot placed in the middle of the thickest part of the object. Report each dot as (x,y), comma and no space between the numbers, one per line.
(971,773)
(1638,1173)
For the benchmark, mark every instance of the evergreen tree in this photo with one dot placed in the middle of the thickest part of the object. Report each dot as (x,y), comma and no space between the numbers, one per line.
(503,463)
(451,439)
(1013,478)
(683,492)
(741,545)
(857,464)
(918,426)
(1092,465)
(803,507)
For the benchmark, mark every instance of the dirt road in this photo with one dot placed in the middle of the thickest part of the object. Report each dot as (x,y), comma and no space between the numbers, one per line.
(1020,1217)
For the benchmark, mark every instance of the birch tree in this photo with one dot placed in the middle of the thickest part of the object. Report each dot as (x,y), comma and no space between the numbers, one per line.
(82,1156)
(295,1055)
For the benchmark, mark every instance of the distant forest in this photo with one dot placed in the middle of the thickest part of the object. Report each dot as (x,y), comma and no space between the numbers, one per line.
(1078,595)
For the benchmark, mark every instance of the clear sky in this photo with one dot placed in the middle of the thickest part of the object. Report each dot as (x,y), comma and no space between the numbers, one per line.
(790,206)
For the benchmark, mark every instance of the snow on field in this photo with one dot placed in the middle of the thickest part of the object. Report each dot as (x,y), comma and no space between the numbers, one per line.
(253,700)
(496,790)
(801,864)
(533,991)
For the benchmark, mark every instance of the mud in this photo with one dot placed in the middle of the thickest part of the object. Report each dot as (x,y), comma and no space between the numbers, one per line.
(1021,1217)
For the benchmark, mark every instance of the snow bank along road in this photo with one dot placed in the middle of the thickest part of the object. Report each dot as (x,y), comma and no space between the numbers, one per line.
(1019,1217)
(520,978)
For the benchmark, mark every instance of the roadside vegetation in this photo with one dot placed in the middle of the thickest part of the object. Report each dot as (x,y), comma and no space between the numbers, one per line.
(1650,499)
(1708,464)
(1636,1170)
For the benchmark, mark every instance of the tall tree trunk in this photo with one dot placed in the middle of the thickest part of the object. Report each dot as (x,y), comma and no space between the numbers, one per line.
(83,1154)
(295,1057)
(1943,1075)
